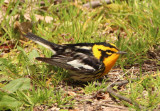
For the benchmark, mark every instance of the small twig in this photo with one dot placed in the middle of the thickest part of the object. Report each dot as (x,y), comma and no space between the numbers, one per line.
(114,94)
(111,91)
(119,77)
(94,4)
(114,84)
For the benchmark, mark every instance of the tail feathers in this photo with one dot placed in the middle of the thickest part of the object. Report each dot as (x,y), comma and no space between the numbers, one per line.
(42,42)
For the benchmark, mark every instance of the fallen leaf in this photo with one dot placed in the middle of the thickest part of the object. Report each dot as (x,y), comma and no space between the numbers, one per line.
(23,27)
(47,19)
(70,93)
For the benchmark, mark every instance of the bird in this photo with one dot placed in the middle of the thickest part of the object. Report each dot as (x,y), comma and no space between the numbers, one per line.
(84,61)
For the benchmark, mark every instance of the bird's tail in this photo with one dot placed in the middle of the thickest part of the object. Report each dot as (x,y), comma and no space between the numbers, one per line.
(42,42)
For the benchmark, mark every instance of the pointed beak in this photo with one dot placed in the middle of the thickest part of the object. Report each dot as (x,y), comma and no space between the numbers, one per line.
(121,52)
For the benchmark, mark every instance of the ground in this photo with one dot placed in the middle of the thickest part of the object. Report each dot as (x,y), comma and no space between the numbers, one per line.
(27,84)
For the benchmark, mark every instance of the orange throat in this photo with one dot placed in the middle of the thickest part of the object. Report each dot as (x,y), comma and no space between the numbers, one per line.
(109,62)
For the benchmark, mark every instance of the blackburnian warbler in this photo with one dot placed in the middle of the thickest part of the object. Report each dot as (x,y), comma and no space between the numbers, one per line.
(84,61)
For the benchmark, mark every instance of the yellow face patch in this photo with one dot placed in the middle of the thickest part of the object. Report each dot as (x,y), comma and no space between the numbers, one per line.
(97,53)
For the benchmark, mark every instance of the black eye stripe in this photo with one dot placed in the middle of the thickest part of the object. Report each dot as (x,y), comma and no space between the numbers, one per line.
(104,54)
(106,51)
(109,51)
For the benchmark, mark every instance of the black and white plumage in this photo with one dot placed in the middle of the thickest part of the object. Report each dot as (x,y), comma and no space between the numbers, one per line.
(77,58)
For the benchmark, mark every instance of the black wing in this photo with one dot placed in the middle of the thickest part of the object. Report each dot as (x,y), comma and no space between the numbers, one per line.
(83,66)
